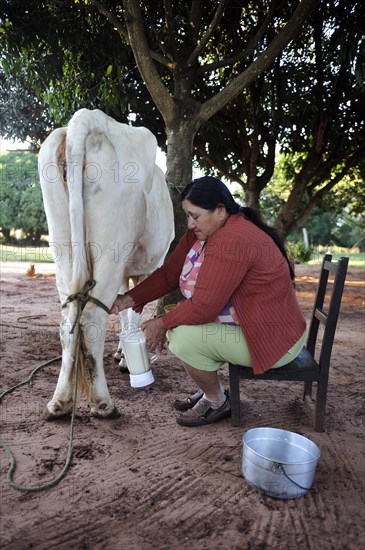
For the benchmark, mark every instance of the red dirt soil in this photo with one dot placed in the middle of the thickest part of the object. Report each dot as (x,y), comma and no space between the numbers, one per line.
(142,482)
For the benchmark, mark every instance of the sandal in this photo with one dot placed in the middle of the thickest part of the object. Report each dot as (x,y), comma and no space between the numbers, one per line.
(202,413)
(188,403)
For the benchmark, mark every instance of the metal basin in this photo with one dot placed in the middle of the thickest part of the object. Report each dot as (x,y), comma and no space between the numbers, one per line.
(279,463)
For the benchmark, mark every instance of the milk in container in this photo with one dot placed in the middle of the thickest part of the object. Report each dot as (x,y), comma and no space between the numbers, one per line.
(135,352)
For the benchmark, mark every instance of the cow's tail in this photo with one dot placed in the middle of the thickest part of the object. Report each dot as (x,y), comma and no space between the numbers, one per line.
(82,378)
(77,133)
(78,130)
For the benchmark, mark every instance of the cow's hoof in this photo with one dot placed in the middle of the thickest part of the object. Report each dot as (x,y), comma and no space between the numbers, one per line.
(102,411)
(118,356)
(122,367)
(55,411)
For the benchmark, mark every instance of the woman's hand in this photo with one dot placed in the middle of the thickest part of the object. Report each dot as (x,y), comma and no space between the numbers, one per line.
(155,334)
(122,301)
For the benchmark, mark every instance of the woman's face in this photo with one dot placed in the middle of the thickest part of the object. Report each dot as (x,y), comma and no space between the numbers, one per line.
(204,222)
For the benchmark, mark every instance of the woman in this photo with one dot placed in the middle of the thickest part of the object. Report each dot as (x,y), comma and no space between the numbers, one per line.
(239,307)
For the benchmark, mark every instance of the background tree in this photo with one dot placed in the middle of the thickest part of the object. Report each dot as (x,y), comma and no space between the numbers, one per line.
(338,220)
(311,104)
(21,197)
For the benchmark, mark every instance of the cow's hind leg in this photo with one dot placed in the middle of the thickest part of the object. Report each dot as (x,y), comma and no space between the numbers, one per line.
(62,400)
(129,320)
(123,320)
(82,354)
(118,356)
(94,324)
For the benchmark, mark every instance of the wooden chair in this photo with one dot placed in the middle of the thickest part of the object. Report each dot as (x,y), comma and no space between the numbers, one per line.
(305,367)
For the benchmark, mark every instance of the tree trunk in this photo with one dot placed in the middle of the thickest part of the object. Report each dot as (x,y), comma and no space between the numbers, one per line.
(6,234)
(180,137)
(286,220)
(252,197)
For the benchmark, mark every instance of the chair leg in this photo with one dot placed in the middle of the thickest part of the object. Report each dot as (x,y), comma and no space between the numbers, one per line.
(234,391)
(307,390)
(316,407)
(320,410)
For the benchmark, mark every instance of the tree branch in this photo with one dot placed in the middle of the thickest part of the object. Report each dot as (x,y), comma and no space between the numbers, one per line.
(224,173)
(170,27)
(247,51)
(138,42)
(350,163)
(113,19)
(163,59)
(196,11)
(316,199)
(263,62)
(263,180)
(211,28)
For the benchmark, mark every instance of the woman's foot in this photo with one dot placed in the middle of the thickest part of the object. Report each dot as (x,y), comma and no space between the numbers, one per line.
(202,413)
(188,403)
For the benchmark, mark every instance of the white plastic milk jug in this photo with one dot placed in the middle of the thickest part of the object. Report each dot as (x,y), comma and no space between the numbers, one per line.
(135,352)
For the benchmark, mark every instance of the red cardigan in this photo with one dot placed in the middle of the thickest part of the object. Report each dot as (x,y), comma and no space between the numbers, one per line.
(243,263)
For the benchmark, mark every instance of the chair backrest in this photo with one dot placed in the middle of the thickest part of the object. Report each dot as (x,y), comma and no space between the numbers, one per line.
(329,318)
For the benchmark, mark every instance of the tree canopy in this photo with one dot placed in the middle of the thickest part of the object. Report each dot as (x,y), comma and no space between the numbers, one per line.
(310,106)
(217,76)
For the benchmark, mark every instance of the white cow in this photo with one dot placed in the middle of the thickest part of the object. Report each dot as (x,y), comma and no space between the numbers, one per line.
(110,218)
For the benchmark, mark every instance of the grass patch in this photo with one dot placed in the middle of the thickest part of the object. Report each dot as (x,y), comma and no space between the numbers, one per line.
(25,253)
(35,254)
(356,259)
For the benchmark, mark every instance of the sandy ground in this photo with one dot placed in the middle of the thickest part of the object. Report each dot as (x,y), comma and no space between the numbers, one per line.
(141,481)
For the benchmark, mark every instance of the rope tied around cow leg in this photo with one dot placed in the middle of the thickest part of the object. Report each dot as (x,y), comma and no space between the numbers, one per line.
(82,297)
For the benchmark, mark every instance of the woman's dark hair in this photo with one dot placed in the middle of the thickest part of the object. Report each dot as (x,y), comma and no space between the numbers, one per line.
(209,192)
